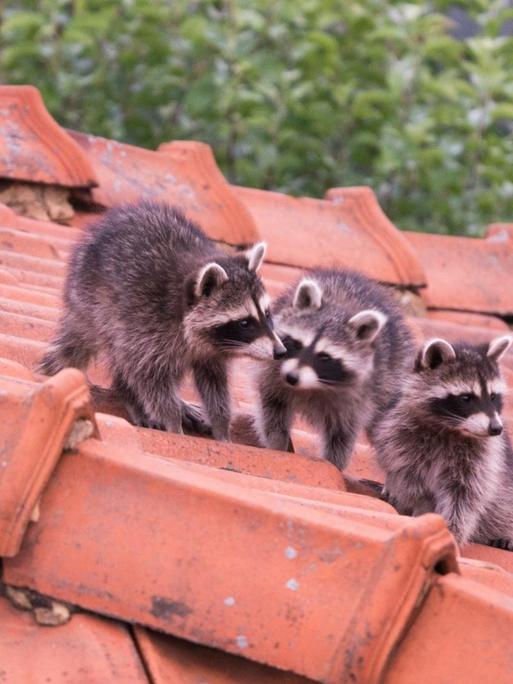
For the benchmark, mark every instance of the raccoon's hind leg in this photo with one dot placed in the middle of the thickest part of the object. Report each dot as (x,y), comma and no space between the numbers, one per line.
(131,403)
(193,418)
(150,403)
(212,384)
(71,347)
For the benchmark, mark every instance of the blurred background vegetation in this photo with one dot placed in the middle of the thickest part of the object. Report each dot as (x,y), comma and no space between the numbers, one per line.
(293,95)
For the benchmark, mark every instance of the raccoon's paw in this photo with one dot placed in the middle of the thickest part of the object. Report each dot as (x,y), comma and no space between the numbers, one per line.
(140,419)
(385,495)
(395,502)
(49,365)
(144,422)
(506,544)
(194,420)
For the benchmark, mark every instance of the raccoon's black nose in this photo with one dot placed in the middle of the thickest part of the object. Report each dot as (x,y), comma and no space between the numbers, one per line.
(292,378)
(494,429)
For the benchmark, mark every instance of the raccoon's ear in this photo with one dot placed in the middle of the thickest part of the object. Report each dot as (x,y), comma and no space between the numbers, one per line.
(367,324)
(308,295)
(435,352)
(256,255)
(498,347)
(209,278)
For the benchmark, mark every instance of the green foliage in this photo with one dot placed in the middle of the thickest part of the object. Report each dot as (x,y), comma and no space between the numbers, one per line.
(294,96)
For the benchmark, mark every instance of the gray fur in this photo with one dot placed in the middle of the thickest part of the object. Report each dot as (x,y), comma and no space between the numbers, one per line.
(433,463)
(150,291)
(376,347)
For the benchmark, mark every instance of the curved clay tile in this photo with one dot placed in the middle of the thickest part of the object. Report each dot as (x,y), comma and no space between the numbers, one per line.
(469,274)
(33,147)
(36,420)
(86,649)
(327,579)
(182,173)
(175,660)
(347,229)
(461,635)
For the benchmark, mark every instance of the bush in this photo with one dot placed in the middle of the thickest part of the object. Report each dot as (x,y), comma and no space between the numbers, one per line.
(293,96)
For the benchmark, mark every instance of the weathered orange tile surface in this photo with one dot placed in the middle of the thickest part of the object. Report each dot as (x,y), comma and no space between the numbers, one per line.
(86,650)
(254,562)
(172,660)
(182,172)
(467,273)
(33,147)
(461,635)
(36,419)
(261,554)
(347,229)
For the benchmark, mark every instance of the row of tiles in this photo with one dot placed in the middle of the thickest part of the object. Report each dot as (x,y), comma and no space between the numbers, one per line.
(32,267)
(90,649)
(350,228)
(341,586)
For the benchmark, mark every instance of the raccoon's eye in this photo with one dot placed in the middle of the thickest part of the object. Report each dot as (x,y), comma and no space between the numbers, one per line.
(493,396)
(268,313)
(292,345)
(322,356)
(245,322)
(466,397)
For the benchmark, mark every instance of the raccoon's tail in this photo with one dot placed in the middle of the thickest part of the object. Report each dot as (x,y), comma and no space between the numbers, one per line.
(69,349)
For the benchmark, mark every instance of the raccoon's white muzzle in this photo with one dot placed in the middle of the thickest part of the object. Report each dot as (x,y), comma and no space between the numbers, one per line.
(300,377)
(261,348)
(481,425)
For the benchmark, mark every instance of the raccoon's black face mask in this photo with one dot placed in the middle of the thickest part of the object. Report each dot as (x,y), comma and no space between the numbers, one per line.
(230,309)
(305,368)
(251,335)
(463,385)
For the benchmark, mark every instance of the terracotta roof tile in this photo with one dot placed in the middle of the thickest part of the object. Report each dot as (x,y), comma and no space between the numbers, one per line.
(224,531)
(461,635)
(36,419)
(88,650)
(33,147)
(468,319)
(346,229)
(172,660)
(182,172)
(490,555)
(467,273)
(207,516)
(487,573)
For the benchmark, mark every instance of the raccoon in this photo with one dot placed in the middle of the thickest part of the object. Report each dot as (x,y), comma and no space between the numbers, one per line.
(444,448)
(149,290)
(348,348)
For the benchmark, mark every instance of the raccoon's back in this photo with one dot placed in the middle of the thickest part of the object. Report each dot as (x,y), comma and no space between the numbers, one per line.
(136,256)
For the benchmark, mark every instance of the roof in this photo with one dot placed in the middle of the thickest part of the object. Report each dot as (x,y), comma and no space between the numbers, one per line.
(155,548)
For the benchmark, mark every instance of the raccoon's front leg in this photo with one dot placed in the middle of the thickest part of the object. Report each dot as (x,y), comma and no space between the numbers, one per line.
(338,441)
(402,493)
(459,510)
(194,420)
(275,421)
(212,383)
